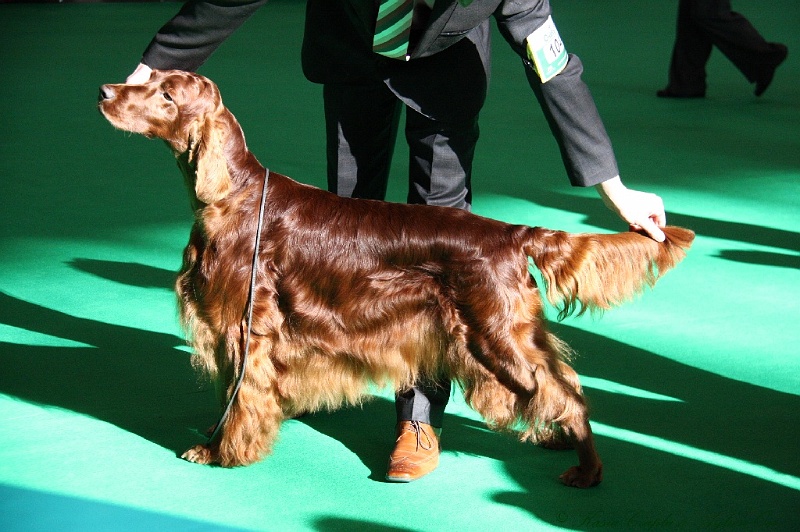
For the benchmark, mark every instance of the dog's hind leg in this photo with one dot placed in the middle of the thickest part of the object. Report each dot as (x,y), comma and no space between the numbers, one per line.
(253,421)
(527,387)
(559,400)
(589,471)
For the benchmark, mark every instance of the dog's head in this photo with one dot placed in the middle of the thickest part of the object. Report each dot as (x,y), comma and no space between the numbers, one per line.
(183,109)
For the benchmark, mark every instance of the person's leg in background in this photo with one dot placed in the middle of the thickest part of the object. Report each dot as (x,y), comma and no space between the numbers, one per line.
(706,23)
(739,41)
(690,53)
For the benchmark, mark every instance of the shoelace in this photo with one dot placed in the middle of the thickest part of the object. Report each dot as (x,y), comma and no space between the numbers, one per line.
(419,432)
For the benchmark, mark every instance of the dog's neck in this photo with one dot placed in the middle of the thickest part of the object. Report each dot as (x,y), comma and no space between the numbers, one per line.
(242,167)
(242,164)
(189,172)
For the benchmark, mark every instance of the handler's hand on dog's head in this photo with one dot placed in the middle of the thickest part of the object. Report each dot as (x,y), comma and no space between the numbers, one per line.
(140,75)
(641,210)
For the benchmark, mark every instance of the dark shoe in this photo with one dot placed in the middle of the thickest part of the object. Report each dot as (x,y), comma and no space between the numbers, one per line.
(762,84)
(671,93)
(416,452)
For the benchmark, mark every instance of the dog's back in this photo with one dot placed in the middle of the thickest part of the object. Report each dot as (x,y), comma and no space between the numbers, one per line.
(582,271)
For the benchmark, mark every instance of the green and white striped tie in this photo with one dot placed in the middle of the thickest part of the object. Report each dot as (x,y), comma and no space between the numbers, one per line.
(393,28)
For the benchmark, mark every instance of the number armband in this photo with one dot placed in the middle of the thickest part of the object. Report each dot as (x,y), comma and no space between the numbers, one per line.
(546,51)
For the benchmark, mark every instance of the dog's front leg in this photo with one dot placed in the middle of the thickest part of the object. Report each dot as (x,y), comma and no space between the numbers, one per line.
(589,471)
(200,454)
(254,418)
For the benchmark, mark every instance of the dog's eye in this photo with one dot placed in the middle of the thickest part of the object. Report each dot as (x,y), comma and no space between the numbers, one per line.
(166,96)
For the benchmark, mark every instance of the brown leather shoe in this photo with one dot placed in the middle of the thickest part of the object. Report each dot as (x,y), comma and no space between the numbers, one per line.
(416,452)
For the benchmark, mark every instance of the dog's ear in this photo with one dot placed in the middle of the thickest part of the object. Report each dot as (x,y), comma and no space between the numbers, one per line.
(207,153)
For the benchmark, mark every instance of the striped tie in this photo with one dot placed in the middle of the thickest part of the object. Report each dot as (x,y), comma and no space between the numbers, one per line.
(393,28)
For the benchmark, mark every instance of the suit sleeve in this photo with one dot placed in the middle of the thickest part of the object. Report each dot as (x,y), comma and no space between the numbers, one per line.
(565,100)
(191,36)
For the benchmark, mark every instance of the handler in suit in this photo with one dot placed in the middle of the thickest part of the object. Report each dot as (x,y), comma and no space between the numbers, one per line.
(438,69)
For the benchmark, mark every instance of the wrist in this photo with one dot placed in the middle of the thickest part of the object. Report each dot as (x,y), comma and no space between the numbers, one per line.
(610,189)
(610,186)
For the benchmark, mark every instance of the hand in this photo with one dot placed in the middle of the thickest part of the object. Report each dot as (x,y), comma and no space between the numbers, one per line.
(140,75)
(643,211)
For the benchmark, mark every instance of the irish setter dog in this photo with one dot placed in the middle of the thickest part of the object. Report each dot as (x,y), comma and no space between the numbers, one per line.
(351,292)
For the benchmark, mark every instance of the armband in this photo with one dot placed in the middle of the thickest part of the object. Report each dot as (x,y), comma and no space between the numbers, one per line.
(546,51)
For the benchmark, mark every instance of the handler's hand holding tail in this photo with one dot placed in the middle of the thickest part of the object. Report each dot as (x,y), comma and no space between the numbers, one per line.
(642,210)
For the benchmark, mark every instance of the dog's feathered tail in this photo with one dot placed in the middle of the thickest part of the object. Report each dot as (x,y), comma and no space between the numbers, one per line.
(598,271)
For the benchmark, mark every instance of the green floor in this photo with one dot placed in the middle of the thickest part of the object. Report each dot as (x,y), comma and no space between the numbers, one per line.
(695,387)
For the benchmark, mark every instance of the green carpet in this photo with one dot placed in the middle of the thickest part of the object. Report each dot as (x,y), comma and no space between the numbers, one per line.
(695,387)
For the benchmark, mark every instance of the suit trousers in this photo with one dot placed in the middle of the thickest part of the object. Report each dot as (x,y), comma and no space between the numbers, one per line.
(362,121)
(703,24)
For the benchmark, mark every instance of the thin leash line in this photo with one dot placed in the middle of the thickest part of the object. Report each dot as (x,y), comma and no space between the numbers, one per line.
(251,298)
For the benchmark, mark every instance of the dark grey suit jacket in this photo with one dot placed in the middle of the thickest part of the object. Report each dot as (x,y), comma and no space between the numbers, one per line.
(452,52)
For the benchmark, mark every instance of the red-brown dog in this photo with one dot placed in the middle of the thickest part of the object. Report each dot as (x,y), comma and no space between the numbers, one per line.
(351,292)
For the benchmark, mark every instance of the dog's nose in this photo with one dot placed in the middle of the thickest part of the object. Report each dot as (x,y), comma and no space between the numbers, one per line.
(106,93)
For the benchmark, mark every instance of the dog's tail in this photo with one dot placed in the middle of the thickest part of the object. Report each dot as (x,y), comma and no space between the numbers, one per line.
(598,271)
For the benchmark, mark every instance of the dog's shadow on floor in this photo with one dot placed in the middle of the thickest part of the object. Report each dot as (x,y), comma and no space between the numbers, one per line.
(366,430)
(141,381)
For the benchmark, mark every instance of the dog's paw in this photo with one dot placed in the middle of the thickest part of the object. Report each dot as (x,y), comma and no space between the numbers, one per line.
(579,477)
(199,454)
